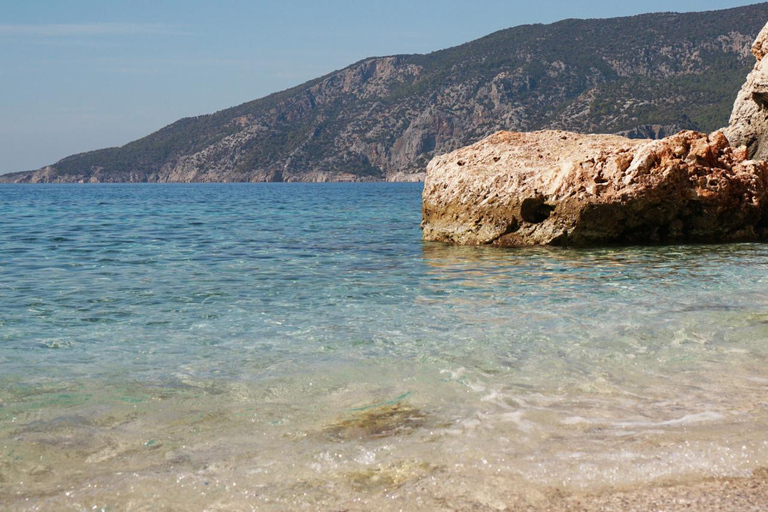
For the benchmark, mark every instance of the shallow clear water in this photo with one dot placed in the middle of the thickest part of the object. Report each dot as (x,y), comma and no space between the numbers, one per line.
(289,346)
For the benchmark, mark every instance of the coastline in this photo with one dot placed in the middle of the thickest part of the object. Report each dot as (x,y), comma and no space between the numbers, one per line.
(416,179)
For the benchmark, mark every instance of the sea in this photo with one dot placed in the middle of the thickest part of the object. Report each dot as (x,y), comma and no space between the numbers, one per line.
(299,347)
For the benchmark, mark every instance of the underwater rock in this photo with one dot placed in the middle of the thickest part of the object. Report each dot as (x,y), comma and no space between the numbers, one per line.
(388,477)
(377,422)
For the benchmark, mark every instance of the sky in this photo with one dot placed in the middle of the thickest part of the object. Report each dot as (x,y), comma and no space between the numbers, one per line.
(78,75)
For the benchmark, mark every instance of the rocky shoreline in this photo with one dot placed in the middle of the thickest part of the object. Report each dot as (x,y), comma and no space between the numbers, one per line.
(564,188)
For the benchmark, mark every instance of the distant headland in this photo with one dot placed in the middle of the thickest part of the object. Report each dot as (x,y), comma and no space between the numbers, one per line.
(385,118)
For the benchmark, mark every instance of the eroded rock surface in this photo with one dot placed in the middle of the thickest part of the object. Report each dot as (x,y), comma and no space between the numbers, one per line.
(749,120)
(562,188)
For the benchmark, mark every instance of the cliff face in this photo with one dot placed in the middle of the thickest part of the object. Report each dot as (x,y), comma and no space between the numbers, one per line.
(385,118)
(748,125)
(561,188)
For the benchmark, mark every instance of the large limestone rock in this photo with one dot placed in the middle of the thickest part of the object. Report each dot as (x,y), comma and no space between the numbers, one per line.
(749,121)
(561,188)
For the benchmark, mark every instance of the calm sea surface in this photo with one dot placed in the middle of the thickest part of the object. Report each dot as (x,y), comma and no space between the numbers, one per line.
(297,347)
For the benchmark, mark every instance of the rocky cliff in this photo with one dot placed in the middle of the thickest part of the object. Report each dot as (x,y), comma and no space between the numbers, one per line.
(385,118)
(561,188)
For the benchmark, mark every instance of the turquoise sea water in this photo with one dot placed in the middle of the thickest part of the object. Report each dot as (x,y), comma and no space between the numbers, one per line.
(290,346)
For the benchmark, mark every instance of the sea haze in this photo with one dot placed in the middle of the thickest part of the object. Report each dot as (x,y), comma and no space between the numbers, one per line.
(296,346)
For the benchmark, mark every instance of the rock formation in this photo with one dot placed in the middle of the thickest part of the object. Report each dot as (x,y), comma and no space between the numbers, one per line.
(749,120)
(561,188)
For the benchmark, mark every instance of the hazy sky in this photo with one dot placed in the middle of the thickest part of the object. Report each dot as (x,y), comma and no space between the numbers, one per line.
(77,75)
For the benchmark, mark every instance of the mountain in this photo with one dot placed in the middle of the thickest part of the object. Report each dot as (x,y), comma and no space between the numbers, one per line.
(385,118)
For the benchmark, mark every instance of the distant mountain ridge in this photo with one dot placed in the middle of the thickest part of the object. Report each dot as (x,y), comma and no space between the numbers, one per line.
(385,118)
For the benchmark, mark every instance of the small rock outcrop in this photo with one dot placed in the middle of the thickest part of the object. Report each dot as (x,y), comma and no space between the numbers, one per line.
(748,125)
(563,188)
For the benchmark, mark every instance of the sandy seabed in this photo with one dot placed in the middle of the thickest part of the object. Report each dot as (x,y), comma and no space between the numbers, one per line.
(732,494)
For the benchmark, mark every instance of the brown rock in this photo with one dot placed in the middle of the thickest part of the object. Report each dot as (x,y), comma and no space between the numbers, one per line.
(560,188)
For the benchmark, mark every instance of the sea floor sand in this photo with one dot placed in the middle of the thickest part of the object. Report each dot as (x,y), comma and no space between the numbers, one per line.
(712,495)
(731,494)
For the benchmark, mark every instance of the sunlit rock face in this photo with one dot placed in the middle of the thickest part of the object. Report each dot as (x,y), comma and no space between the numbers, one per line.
(563,188)
(749,120)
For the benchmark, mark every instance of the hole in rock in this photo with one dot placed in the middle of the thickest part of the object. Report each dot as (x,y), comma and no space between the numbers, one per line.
(535,210)
(760,98)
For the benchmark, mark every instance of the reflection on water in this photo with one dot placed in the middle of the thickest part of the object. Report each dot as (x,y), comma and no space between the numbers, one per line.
(633,264)
(210,347)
